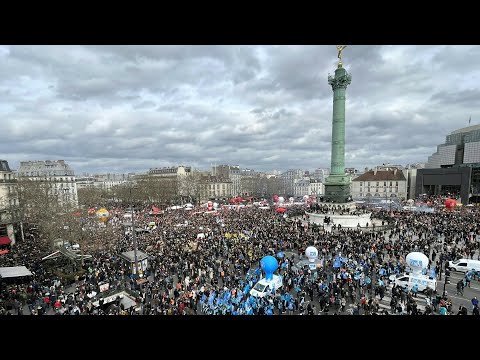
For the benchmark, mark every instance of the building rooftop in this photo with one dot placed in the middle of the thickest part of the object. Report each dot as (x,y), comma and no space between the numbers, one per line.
(390,175)
(4,166)
(44,167)
(130,255)
(466,129)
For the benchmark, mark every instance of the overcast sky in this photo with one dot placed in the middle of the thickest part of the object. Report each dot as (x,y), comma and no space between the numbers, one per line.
(129,108)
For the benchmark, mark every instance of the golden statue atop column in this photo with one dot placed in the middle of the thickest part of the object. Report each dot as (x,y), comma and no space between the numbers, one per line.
(340,49)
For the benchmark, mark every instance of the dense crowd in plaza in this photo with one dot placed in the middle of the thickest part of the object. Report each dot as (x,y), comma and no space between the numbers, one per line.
(213,274)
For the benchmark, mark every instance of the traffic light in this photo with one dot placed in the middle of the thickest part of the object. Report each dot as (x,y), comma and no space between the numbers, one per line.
(447,276)
(447,279)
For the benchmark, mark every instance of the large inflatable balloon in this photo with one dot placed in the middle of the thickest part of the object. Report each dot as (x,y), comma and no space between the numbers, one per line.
(311,253)
(281,199)
(232,200)
(275,198)
(450,204)
(239,199)
(417,262)
(306,197)
(102,215)
(269,264)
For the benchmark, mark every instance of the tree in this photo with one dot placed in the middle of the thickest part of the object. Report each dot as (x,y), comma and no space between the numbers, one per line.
(41,204)
(154,189)
(189,186)
(91,196)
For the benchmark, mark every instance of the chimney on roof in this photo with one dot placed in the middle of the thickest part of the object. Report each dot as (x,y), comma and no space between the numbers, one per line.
(375,171)
(395,171)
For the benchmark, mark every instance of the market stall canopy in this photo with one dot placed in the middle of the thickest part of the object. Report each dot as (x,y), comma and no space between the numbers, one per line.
(72,255)
(155,211)
(5,240)
(14,271)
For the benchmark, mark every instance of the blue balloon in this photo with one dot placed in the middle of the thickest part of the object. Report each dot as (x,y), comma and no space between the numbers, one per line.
(269,264)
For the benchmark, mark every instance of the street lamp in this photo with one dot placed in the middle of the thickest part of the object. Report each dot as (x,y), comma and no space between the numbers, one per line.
(134,236)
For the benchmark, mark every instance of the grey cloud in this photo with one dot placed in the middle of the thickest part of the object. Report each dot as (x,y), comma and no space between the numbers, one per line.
(144,105)
(466,97)
(129,108)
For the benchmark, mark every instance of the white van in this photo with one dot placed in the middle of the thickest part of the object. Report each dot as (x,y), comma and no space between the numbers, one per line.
(423,281)
(262,287)
(464,265)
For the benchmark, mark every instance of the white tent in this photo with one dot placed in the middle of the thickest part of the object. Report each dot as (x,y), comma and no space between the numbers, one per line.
(14,271)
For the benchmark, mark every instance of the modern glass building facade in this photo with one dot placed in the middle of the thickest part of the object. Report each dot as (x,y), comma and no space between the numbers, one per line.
(455,167)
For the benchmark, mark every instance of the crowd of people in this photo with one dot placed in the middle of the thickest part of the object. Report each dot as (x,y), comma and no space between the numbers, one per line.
(214,273)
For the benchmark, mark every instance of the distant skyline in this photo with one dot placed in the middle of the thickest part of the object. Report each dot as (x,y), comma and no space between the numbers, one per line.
(120,109)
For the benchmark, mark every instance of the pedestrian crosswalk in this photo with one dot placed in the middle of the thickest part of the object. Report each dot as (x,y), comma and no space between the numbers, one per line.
(384,304)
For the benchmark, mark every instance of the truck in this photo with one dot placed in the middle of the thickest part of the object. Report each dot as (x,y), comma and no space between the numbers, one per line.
(464,265)
(422,281)
(263,286)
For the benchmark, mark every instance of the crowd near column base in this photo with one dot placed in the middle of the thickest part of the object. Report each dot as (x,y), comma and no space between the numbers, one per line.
(249,261)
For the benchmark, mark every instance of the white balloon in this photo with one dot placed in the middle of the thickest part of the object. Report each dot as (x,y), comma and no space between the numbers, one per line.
(281,199)
(311,253)
(417,261)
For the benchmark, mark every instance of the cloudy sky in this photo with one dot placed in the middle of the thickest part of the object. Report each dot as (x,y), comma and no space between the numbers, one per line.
(129,108)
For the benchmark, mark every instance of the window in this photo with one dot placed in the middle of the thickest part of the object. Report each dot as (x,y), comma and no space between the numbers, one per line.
(396,183)
(384,183)
(390,183)
(369,183)
(377,183)
(384,189)
(462,264)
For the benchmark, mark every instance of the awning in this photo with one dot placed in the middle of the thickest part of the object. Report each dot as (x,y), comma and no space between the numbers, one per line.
(5,240)
(14,271)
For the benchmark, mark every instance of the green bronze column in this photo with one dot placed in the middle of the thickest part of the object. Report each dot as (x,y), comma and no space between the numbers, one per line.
(337,185)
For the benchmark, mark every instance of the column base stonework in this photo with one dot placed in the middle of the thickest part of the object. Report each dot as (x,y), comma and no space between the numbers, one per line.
(337,193)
